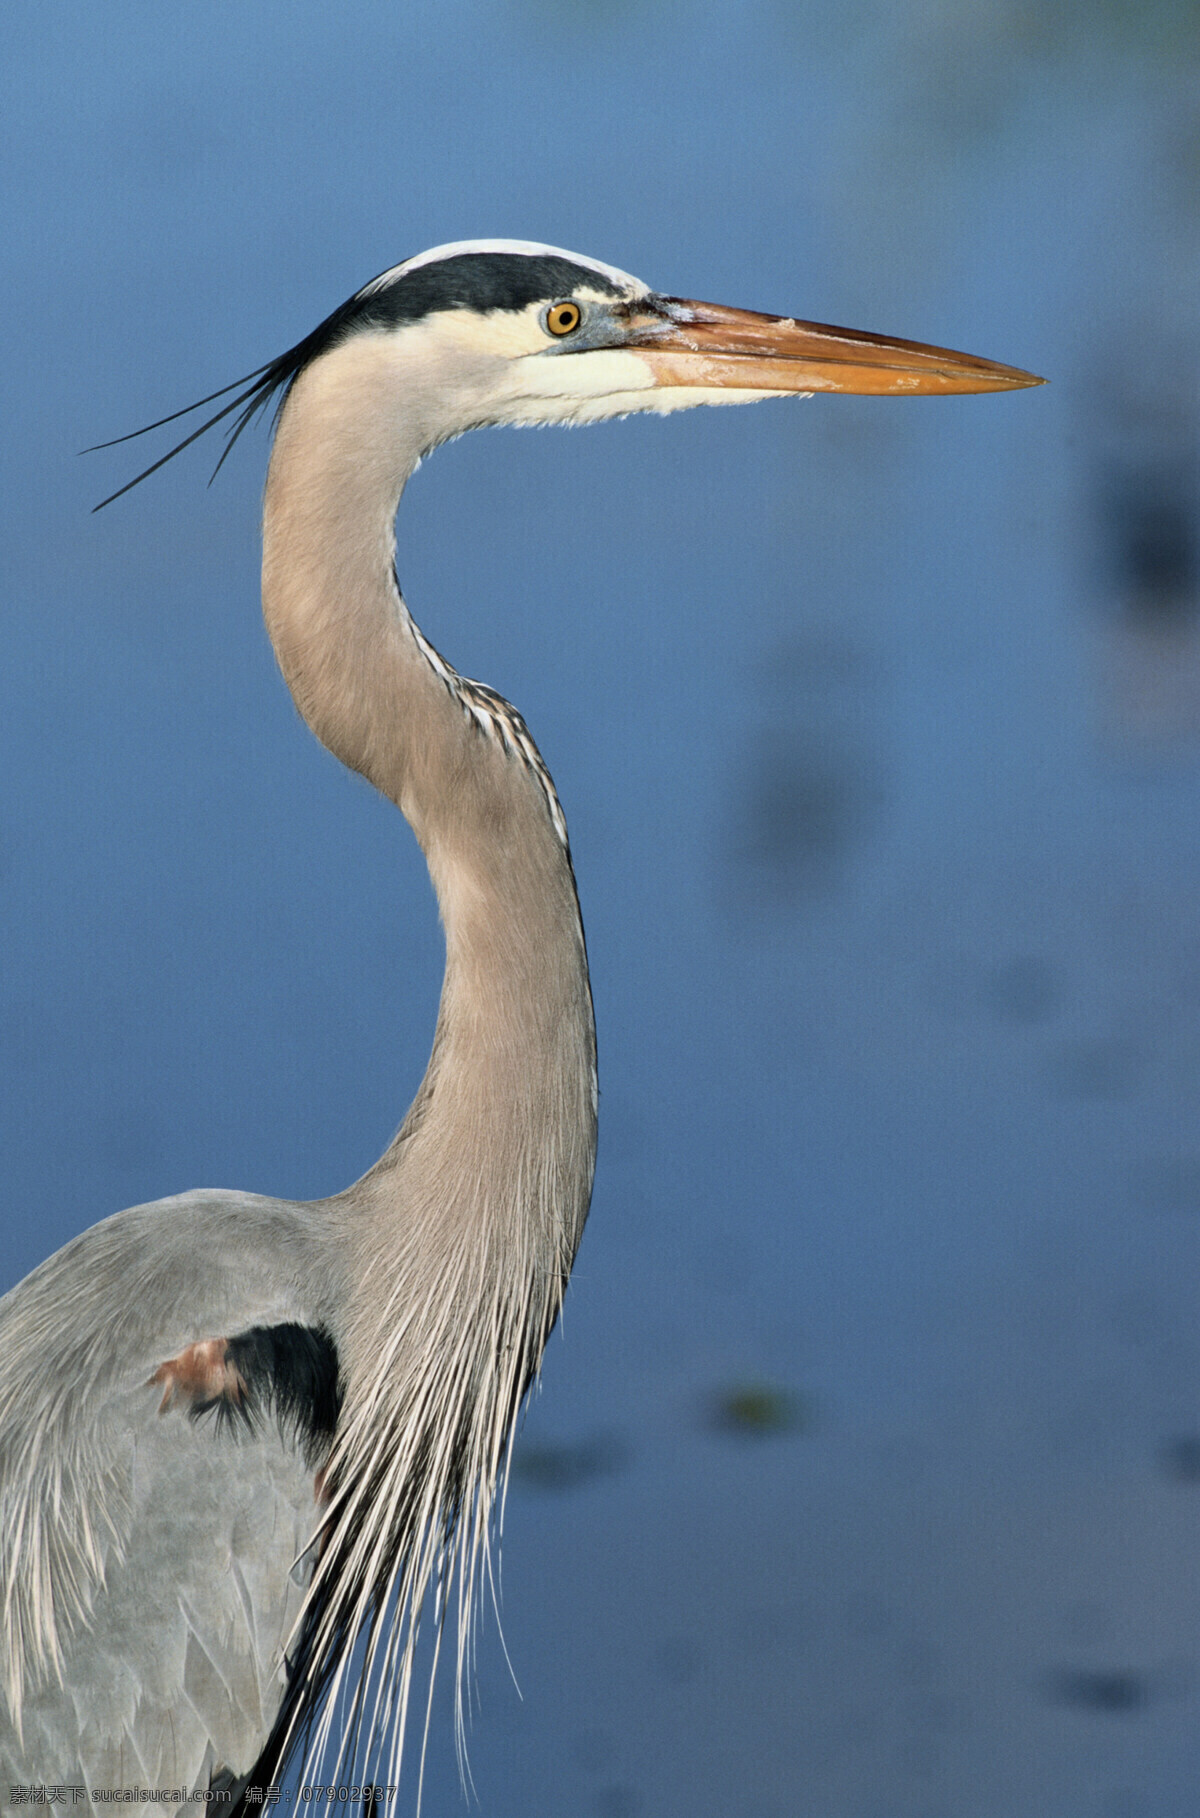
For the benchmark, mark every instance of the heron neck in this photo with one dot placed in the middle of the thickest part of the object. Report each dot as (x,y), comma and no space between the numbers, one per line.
(511,1078)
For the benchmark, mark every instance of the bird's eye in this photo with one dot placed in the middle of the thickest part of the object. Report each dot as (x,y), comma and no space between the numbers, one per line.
(563,318)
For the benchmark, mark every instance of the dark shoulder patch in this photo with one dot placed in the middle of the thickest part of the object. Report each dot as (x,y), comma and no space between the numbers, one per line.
(288,1373)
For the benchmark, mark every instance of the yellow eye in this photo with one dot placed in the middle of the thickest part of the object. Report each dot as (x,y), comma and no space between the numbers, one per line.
(563,318)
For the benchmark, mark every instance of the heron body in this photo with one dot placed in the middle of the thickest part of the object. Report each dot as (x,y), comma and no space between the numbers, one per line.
(237,1433)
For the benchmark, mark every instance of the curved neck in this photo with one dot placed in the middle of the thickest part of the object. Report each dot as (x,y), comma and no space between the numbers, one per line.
(512,1068)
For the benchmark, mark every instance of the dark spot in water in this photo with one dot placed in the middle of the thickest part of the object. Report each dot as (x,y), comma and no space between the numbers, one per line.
(550,1465)
(1112,1693)
(1149,521)
(805,806)
(1181,1458)
(759,1410)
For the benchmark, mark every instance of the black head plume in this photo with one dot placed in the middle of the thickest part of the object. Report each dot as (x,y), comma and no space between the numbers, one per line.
(272,381)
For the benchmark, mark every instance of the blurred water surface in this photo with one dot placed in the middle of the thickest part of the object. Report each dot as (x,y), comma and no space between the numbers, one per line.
(864,1483)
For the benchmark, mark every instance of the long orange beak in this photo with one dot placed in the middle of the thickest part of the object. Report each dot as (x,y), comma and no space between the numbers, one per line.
(706,345)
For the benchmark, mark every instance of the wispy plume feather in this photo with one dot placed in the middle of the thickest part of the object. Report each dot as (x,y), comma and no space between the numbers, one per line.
(264,385)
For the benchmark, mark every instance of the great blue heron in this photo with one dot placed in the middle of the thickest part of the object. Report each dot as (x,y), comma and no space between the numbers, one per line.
(238,1434)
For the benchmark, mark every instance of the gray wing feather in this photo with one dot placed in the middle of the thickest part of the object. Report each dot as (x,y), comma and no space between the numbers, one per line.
(148,1586)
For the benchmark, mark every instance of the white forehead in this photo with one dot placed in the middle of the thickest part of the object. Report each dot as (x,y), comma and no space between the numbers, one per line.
(530,249)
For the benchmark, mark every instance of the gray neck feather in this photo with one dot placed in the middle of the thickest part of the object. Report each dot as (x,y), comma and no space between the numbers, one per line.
(458,1241)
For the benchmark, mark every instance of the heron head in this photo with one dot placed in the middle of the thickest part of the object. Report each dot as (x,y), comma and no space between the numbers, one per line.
(509,331)
(513,332)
